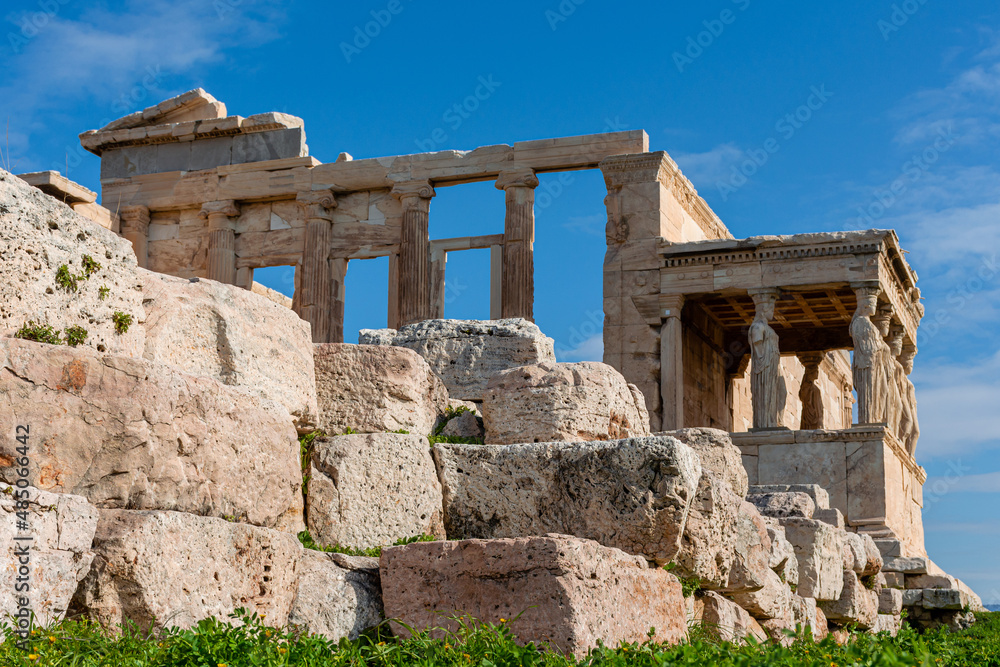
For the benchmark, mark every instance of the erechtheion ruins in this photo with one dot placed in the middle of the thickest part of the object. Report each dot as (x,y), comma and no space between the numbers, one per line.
(790,354)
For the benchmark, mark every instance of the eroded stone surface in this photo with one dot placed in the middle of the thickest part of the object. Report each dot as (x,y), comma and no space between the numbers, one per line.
(579,402)
(718,454)
(728,621)
(38,235)
(856,604)
(467,353)
(631,494)
(337,596)
(160,569)
(819,550)
(232,335)
(59,555)
(569,592)
(781,505)
(371,489)
(127,433)
(374,389)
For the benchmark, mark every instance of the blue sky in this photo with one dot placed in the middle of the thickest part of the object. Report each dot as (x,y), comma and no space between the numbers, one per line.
(903,93)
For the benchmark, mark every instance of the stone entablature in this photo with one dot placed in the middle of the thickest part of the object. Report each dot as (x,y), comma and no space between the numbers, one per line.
(214,211)
(77,197)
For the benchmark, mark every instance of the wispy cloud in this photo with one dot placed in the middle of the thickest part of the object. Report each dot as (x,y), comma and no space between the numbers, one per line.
(590,349)
(103,55)
(984,483)
(708,168)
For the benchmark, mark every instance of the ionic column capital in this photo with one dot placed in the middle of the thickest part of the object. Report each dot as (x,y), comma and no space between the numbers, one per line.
(317,204)
(220,214)
(134,218)
(520,178)
(408,190)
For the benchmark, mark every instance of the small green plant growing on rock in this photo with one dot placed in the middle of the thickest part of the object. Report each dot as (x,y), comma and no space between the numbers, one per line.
(66,279)
(39,333)
(122,321)
(76,336)
(90,266)
(372,552)
(689,585)
(103,293)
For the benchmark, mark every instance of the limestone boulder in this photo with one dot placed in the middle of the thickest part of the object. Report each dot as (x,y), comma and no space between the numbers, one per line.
(371,489)
(337,596)
(890,623)
(819,549)
(38,236)
(630,494)
(233,335)
(718,454)
(464,425)
(159,569)
(856,604)
(467,353)
(128,433)
(861,554)
(906,565)
(890,601)
(727,621)
(772,601)
(782,559)
(751,569)
(59,555)
(578,402)
(873,557)
(708,543)
(782,505)
(562,591)
(375,389)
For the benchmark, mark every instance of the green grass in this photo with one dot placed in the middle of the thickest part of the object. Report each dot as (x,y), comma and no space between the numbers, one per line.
(244,641)
(39,333)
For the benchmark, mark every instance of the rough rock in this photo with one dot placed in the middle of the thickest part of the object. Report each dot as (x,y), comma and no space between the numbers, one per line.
(62,527)
(718,454)
(890,601)
(819,495)
(337,596)
(819,550)
(374,389)
(228,333)
(941,598)
(38,235)
(782,505)
(708,545)
(127,433)
(160,569)
(372,489)
(913,565)
(932,581)
(833,517)
(782,559)
(467,353)
(856,604)
(752,554)
(579,402)
(568,592)
(464,425)
(727,621)
(861,554)
(823,625)
(873,557)
(806,614)
(891,623)
(772,601)
(894,579)
(630,494)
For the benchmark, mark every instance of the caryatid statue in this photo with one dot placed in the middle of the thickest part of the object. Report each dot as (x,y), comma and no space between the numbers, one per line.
(912,431)
(810,393)
(767,385)
(898,408)
(870,352)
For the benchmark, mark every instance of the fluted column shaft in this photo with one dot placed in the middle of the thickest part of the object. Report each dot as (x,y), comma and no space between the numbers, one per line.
(672,365)
(414,252)
(317,286)
(518,279)
(135,228)
(221,216)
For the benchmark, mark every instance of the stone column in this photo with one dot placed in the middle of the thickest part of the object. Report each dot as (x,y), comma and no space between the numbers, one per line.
(810,393)
(439,261)
(414,251)
(867,364)
(672,365)
(317,286)
(518,281)
(135,228)
(767,384)
(338,290)
(221,217)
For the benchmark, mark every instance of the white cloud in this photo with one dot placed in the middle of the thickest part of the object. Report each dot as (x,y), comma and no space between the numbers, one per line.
(706,169)
(984,483)
(121,59)
(591,225)
(591,349)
